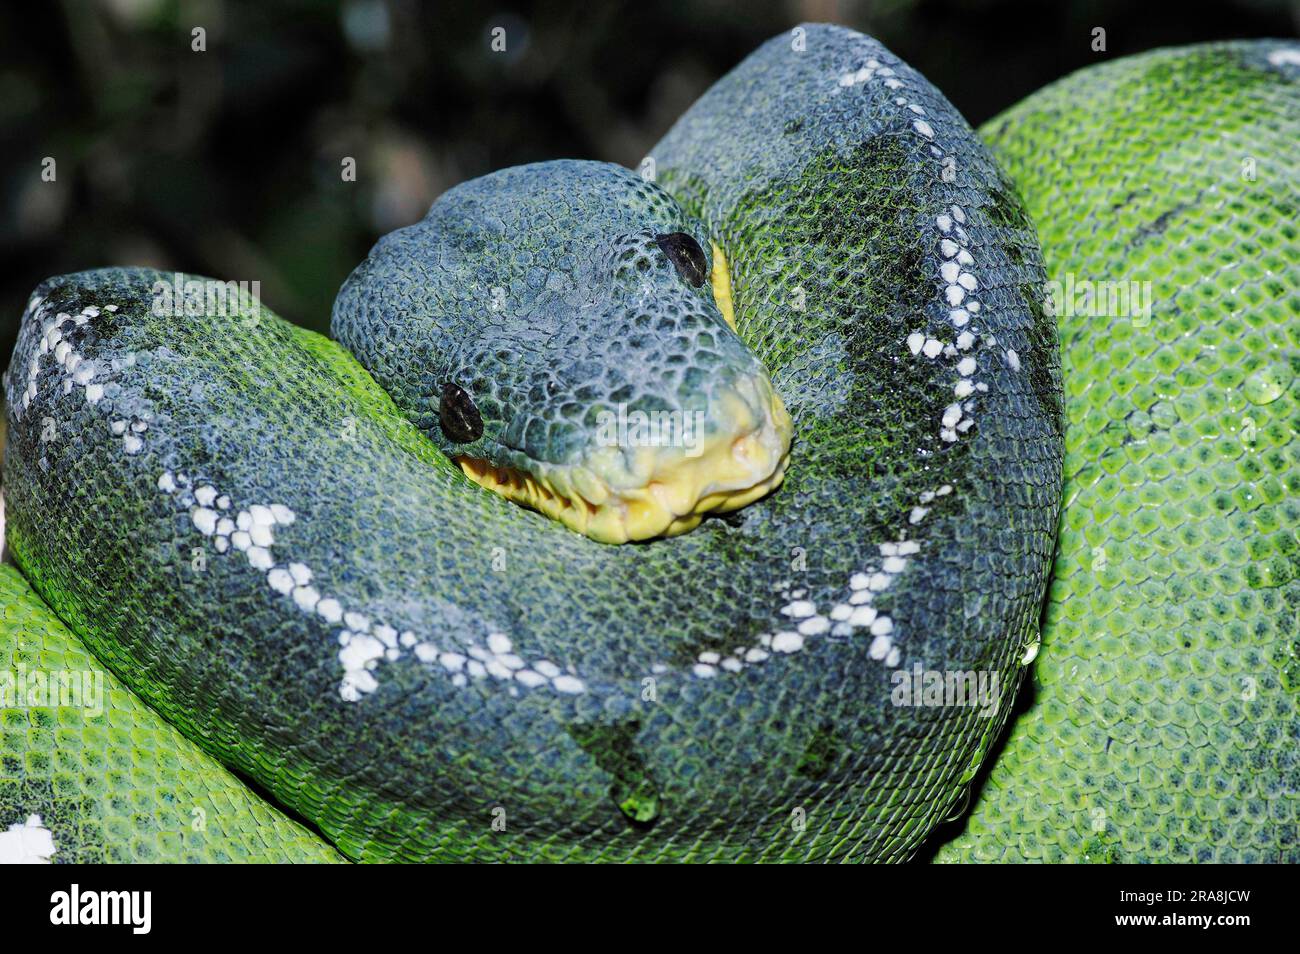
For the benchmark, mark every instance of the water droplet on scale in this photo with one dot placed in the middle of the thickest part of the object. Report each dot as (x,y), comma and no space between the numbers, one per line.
(1267,384)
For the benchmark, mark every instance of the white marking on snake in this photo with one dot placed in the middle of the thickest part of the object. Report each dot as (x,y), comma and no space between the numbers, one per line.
(362,645)
(960,286)
(252,533)
(27,843)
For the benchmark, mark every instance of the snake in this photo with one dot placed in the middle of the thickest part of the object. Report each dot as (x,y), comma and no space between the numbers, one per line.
(698,512)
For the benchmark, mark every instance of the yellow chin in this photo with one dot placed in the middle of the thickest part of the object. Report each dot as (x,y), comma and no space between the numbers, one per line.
(614,497)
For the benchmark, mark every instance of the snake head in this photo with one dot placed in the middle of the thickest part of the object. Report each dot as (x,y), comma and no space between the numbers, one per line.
(558,330)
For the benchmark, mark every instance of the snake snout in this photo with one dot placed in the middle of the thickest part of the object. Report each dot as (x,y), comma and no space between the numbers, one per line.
(651,472)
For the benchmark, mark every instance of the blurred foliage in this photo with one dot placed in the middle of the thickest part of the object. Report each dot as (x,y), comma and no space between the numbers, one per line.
(227,162)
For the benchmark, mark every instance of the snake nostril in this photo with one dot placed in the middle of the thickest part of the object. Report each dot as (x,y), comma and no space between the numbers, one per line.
(459,416)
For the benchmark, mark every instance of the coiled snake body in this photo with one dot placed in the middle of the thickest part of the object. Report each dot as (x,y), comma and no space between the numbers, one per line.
(299,551)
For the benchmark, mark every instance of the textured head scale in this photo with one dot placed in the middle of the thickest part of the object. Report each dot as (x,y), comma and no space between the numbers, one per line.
(553,328)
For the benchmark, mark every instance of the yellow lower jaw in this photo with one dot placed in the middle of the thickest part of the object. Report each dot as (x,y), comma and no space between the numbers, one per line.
(729,472)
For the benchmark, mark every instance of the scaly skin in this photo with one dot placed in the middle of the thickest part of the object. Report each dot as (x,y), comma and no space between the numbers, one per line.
(548,332)
(83,754)
(1165,721)
(461,678)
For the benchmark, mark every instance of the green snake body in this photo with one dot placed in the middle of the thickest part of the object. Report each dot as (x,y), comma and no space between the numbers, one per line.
(1165,722)
(279,556)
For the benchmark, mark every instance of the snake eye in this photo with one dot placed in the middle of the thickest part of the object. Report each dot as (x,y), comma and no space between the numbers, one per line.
(460,419)
(686,255)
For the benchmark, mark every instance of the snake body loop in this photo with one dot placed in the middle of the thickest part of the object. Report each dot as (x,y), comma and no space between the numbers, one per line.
(300,552)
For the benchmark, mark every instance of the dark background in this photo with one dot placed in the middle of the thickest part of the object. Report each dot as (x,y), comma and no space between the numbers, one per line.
(227,162)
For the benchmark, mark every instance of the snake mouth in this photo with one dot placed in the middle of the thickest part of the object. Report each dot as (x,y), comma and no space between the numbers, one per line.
(621,492)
